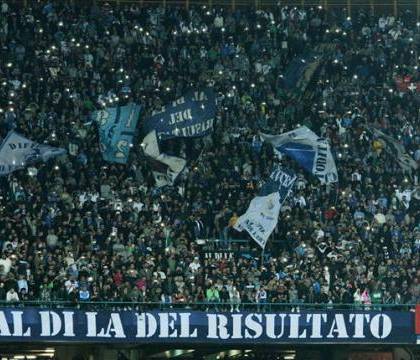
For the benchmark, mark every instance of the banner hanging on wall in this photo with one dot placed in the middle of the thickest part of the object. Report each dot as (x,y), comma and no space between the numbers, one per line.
(192,327)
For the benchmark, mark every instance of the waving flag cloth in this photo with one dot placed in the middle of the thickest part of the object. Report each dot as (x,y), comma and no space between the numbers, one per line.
(189,116)
(395,150)
(117,127)
(16,152)
(263,212)
(309,150)
(300,71)
(165,168)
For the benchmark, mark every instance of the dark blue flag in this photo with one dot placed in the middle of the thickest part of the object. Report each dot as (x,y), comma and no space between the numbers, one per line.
(189,116)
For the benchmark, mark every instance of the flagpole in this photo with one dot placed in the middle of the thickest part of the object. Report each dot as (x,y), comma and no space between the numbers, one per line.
(262,257)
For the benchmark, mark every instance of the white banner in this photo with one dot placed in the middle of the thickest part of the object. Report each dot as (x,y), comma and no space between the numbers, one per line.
(261,218)
(262,215)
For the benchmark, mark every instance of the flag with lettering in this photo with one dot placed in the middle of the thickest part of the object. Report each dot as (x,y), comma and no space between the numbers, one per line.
(189,116)
(17,151)
(262,215)
(165,168)
(312,152)
(117,128)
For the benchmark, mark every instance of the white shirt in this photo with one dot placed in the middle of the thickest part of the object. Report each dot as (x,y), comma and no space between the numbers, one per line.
(404,197)
(71,286)
(7,264)
(194,266)
(218,21)
(138,206)
(12,296)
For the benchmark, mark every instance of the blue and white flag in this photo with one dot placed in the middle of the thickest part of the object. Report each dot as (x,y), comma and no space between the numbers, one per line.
(16,152)
(263,212)
(165,168)
(117,127)
(309,150)
(189,116)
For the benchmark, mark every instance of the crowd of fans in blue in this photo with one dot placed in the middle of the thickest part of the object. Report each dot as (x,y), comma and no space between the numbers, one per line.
(78,228)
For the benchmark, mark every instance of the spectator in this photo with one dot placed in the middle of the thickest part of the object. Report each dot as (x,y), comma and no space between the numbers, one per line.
(12,296)
(212,295)
(235,299)
(261,297)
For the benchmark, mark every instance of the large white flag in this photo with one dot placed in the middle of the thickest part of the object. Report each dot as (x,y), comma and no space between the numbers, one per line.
(166,168)
(263,212)
(309,150)
(16,151)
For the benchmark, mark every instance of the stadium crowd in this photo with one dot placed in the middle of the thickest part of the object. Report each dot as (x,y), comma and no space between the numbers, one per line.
(78,228)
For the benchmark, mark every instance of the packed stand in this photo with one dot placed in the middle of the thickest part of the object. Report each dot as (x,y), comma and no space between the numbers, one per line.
(80,229)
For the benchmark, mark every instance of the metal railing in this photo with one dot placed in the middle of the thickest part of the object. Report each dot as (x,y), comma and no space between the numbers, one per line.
(375,6)
(394,7)
(206,306)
